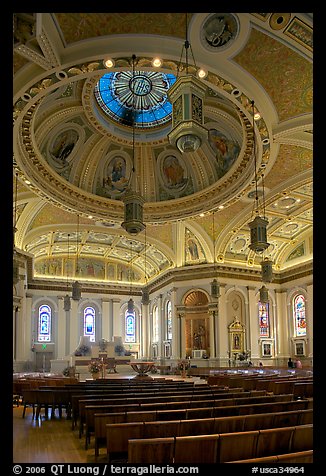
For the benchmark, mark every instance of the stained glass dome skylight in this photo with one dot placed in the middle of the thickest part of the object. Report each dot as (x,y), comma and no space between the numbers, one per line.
(142,94)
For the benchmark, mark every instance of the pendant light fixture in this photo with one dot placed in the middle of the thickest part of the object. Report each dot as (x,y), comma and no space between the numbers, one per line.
(187,98)
(258,227)
(133,201)
(76,287)
(215,287)
(66,299)
(263,294)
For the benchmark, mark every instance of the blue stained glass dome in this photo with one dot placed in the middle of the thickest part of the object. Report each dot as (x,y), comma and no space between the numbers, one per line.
(138,97)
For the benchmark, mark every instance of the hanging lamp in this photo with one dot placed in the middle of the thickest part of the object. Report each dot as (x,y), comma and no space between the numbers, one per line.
(263,294)
(187,98)
(267,270)
(66,299)
(76,287)
(133,201)
(258,226)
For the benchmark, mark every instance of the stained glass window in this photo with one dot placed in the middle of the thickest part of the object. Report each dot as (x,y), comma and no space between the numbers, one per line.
(44,324)
(89,323)
(155,324)
(169,319)
(263,312)
(299,312)
(130,326)
(138,98)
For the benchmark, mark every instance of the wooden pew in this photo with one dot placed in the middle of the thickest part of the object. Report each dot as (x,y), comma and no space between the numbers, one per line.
(87,409)
(296,457)
(87,412)
(101,419)
(153,450)
(221,448)
(118,434)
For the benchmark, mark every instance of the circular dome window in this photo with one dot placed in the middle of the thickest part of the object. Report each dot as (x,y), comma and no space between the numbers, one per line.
(138,98)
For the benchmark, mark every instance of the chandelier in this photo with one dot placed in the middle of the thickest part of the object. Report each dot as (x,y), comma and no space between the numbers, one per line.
(258,226)
(187,98)
(133,201)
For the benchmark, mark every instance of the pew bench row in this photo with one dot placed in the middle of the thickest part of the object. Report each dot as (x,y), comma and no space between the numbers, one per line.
(118,434)
(87,412)
(101,420)
(221,448)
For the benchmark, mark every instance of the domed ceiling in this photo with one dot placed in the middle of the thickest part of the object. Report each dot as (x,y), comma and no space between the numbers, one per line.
(81,125)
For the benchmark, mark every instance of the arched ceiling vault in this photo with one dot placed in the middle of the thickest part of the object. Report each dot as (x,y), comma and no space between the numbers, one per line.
(72,161)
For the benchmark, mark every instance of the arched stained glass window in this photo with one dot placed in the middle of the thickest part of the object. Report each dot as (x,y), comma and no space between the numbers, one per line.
(299,314)
(138,98)
(169,319)
(89,323)
(155,324)
(44,324)
(263,313)
(130,326)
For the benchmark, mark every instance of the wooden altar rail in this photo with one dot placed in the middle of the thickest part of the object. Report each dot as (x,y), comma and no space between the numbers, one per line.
(118,434)
(87,417)
(221,447)
(87,411)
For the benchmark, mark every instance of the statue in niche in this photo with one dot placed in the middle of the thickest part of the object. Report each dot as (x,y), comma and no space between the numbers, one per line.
(199,338)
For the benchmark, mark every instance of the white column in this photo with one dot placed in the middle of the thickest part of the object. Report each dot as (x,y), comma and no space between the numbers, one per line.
(247,322)
(309,318)
(212,334)
(26,329)
(182,336)
(61,337)
(282,325)
(161,319)
(74,328)
(117,325)
(175,325)
(110,321)
(221,327)
(144,342)
(106,324)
